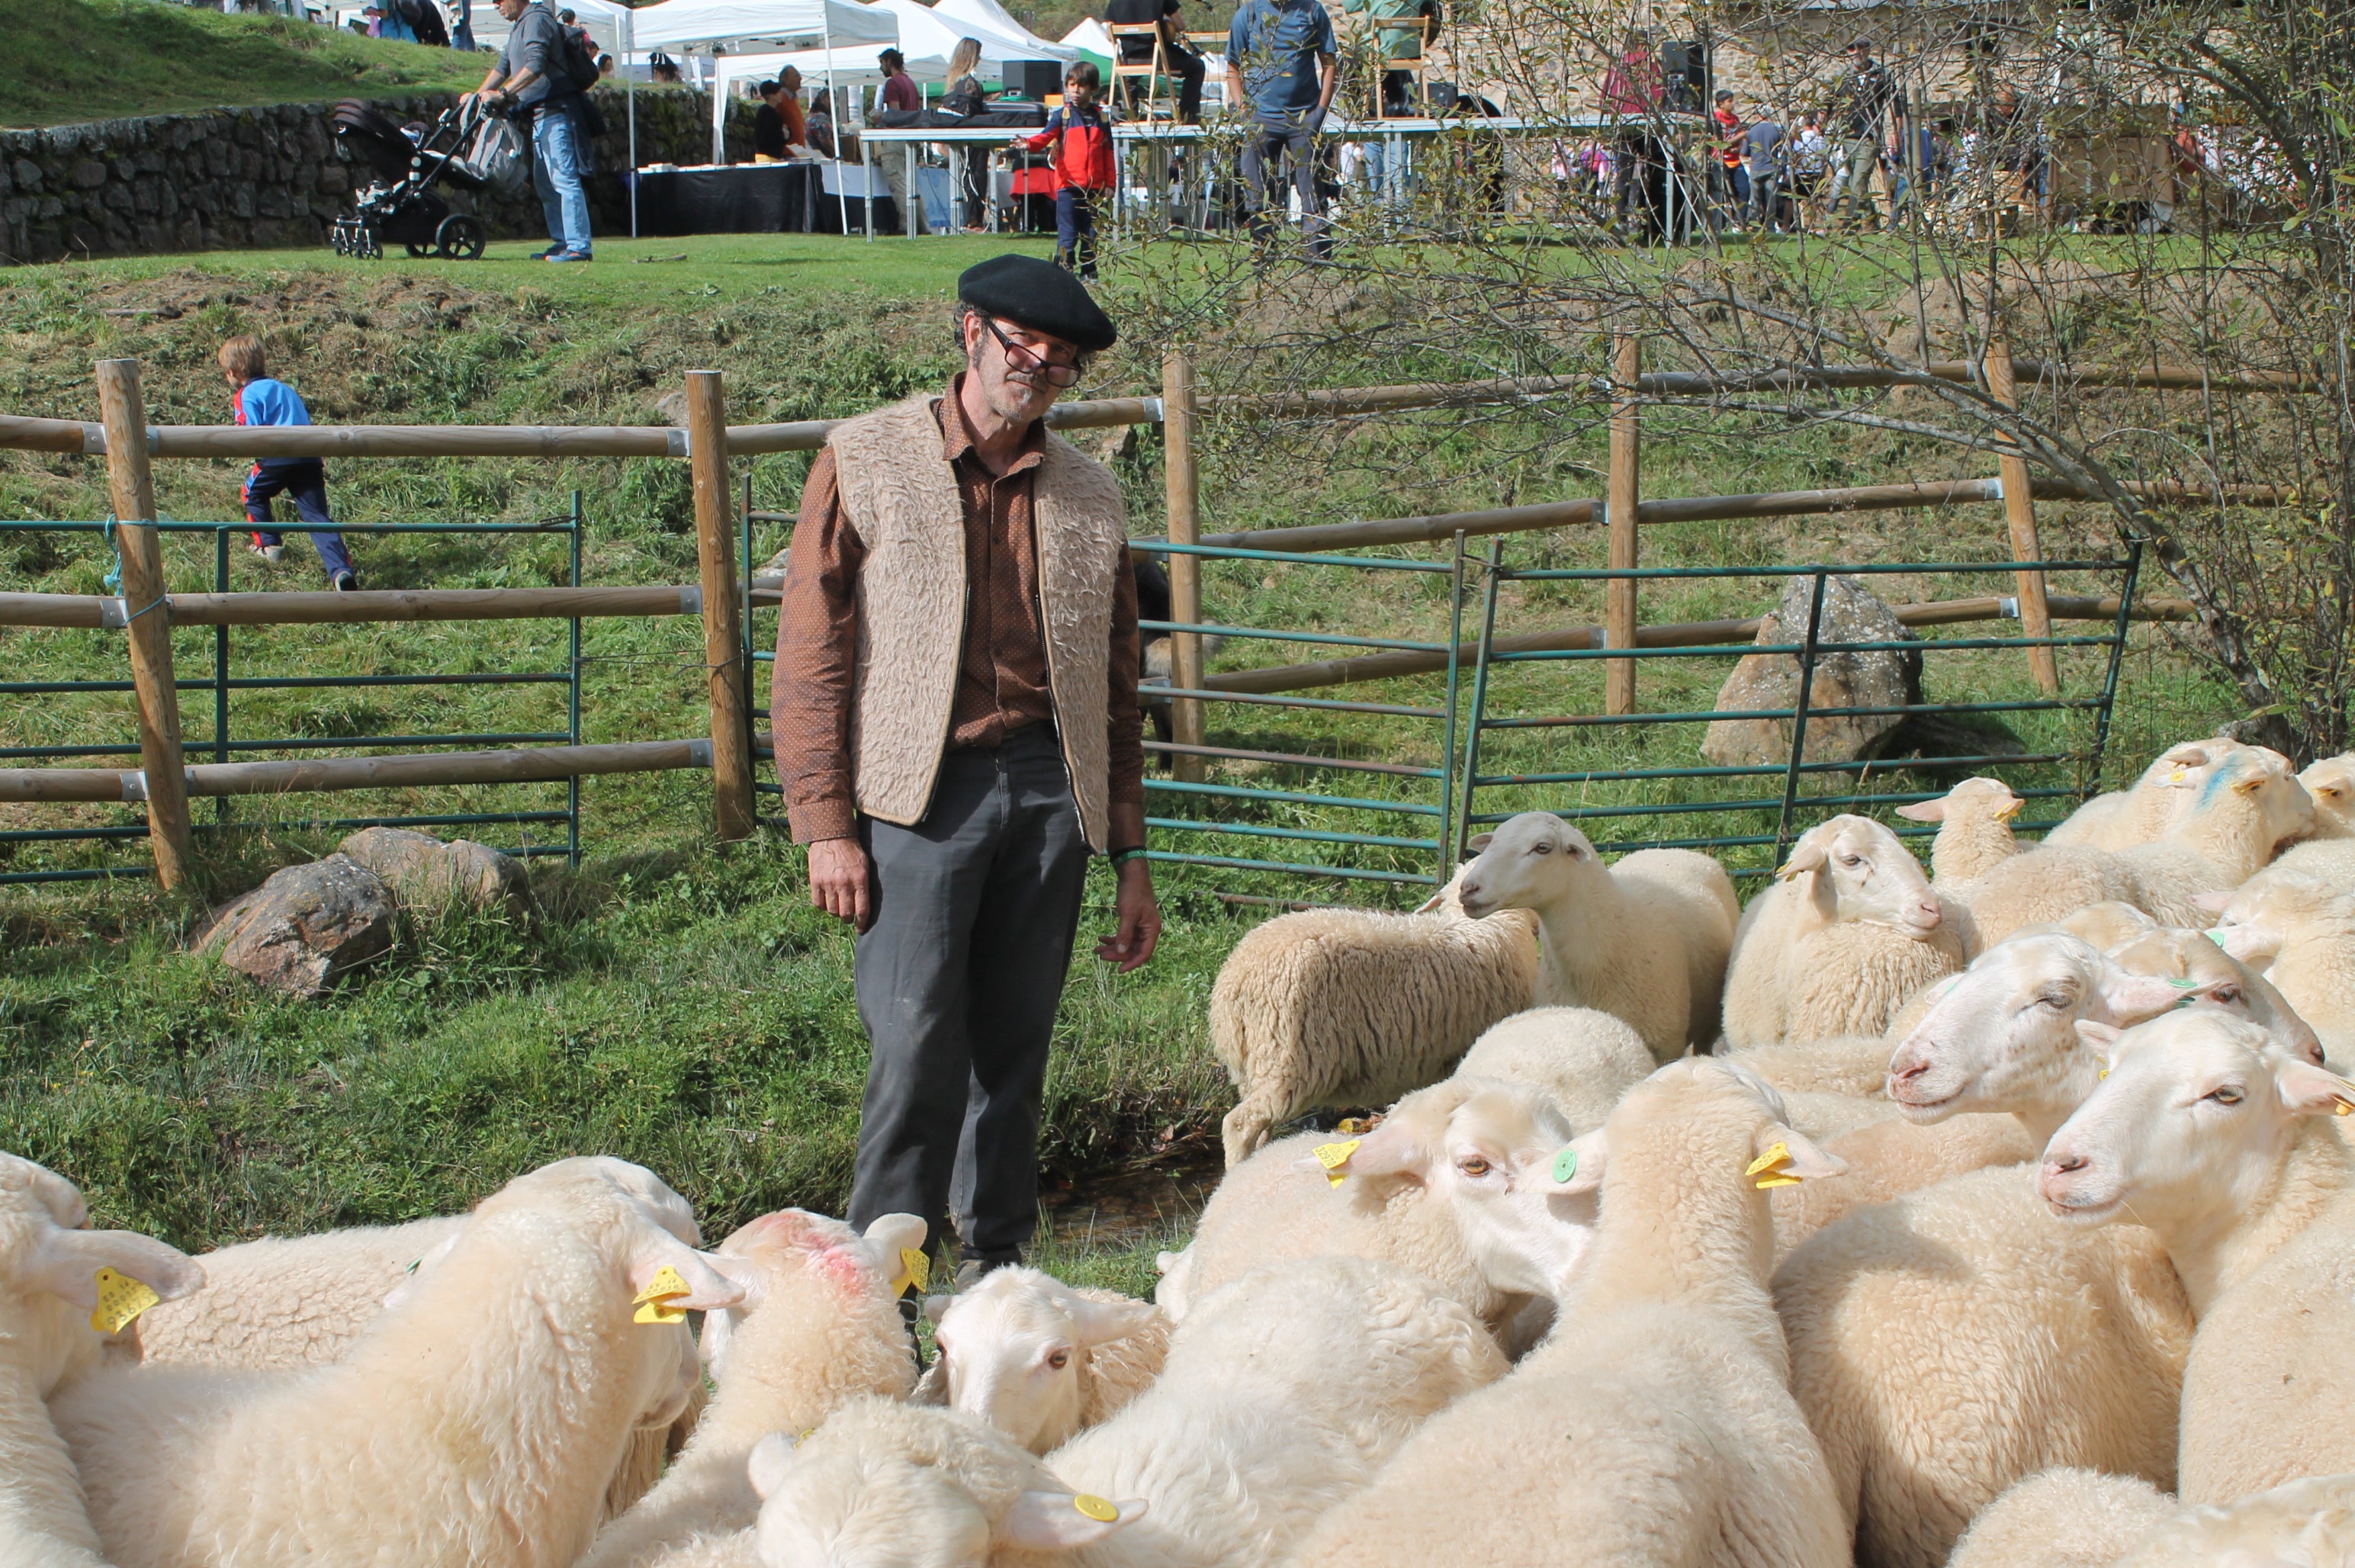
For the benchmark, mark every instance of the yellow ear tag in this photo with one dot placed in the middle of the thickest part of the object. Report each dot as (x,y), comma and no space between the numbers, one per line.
(1351,1125)
(1333,1158)
(915,1268)
(1771,1164)
(2176,775)
(121,1300)
(1095,1508)
(654,1302)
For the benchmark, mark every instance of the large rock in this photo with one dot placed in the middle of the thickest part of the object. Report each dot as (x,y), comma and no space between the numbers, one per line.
(424,872)
(1884,679)
(302,930)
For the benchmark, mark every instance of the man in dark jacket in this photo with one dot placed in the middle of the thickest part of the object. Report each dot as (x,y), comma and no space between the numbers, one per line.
(531,74)
(1863,105)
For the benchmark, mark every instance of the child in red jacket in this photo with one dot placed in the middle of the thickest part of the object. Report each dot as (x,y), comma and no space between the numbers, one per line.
(1085,167)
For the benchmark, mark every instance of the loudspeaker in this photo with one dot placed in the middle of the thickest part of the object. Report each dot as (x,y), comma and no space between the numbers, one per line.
(1685,67)
(1034,80)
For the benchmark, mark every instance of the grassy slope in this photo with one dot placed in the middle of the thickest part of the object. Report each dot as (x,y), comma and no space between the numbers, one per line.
(68,60)
(683,1006)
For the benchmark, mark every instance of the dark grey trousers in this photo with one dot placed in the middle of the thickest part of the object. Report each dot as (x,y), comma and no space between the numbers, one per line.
(958,980)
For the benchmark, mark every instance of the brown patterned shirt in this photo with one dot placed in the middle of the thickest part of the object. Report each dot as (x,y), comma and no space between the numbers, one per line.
(1001,671)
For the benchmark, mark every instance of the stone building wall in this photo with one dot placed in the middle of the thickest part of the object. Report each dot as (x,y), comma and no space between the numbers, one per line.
(272,177)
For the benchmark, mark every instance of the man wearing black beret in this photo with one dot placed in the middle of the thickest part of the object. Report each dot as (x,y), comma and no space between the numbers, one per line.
(957,730)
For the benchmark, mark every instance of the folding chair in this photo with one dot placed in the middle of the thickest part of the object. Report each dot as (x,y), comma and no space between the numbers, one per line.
(1154,70)
(1419,65)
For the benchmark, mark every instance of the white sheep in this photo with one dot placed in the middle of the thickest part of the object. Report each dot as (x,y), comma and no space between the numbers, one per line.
(2037,1346)
(51,1268)
(2331,783)
(1434,1190)
(1852,1065)
(2329,860)
(2207,1131)
(1653,1425)
(1583,1058)
(2246,806)
(2063,1518)
(480,1420)
(1285,1392)
(1974,822)
(1644,940)
(820,1326)
(2309,1523)
(1039,1359)
(2300,934)
(2109,925)
(2153,803)
(1346,1008)
(1848,870)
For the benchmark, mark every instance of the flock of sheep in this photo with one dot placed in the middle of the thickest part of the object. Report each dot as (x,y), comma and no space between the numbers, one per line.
(2008,1223)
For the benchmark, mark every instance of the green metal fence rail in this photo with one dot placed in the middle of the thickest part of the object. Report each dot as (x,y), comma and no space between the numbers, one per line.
(223,741)
(1774,819)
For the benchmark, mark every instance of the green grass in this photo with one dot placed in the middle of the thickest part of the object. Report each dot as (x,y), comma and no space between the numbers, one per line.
(63,61)
(681,1003)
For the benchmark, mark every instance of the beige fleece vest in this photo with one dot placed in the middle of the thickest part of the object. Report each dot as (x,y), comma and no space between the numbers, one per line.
(900,498)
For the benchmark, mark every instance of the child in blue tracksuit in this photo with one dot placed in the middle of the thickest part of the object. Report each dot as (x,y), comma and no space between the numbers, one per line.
(302,480)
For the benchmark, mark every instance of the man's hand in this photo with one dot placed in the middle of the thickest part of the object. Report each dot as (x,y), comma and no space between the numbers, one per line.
(1140,918)
(842,883)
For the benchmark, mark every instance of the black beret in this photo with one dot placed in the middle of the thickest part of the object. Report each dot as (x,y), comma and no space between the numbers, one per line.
(1039,295)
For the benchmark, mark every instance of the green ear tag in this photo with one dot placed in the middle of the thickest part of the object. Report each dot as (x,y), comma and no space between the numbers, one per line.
(1565,1165)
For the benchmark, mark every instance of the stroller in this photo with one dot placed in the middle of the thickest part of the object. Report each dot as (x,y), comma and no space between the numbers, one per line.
(465,148)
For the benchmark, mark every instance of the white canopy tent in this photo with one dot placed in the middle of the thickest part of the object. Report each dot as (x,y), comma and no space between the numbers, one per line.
(699,24)
(1089,39)
(989,16)
(935,30)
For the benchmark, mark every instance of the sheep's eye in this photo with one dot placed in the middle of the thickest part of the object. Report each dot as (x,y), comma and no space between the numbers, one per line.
(2054,999)
(2227,1095)
(1540,848)
(2227,994)
(1475,1166)
(1851,861)
(1060,1359)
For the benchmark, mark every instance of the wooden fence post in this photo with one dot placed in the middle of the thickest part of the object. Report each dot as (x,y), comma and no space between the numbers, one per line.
(723,626)
(1625,492)
(123,406)
(1184,505)
(2019,511)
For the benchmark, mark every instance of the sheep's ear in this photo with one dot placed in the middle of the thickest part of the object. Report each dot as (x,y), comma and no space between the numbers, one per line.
(2214,903)
(707,1288)
(773,1458)
(1786,1158)
(424,1265)
(1058,1521)
(893,1234)
(1478,843)
(937,1306)
(2133,997)
(2190,754)
(1099,1322)
(66,1265)
(2101,1037)
(1924,811)
(2310,1091)
(1390,1150)
(2249,944)
(1809,854)
(1575,1167)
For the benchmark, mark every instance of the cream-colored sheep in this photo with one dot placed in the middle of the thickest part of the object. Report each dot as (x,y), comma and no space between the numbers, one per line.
(2209,1132)
(2156,801)
(1585,1059)
(1849,870)
(1347,1008)
(1888,1158)
(2109,925)
(1853,1065)
(1653,1425)
(1039,1359)
(1951,1342)
(2248,805)
(50,1269)
(820,1326)
(1644,939)
(1432,1190)
(1974,822)
(2329,860)
(2331,783)
(2309,1523)
(480,1420)
(2300,934)
(2064,1518)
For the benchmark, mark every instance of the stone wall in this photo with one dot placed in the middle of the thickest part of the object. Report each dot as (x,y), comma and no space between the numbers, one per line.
(272,177)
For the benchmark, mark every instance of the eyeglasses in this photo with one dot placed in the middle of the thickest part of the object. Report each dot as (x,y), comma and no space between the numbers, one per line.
(1030,360)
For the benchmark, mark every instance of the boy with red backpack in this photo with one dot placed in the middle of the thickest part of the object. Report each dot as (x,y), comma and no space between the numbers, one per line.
(1085,170)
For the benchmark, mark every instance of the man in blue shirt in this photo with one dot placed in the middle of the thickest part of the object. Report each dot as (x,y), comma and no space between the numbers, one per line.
(1280,62)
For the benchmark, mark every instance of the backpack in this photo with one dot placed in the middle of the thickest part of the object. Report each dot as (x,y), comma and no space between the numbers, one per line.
(579,60)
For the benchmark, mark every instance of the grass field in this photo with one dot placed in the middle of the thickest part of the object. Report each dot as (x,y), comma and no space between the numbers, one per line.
(63,61)
(680,1004)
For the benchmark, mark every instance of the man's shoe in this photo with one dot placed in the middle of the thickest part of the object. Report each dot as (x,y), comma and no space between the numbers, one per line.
(569,256)
(273,553)
(978,1265)
(344,583)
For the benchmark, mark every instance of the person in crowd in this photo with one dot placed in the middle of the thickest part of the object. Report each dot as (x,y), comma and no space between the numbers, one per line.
(1179,57)
(570,20)
(1864,107)
(953,751)
(971,160)
(302,480)
(900,95)
(659,66)
(1633,91)
(1809,160)
(1080,134)
(1402,31)
(1728,174)
(1920,166)
(1762,162)
(531,74)
(820,125)
(1281,67)
(778,125)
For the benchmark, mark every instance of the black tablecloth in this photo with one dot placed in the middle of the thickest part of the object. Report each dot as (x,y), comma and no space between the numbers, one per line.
(744,198)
